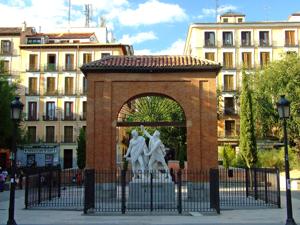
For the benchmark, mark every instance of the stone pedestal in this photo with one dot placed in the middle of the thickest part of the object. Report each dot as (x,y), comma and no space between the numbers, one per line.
(161,194)
(106,190)
(198,191)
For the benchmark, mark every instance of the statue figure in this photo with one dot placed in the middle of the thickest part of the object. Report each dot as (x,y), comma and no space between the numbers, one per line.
(138,154)
(156,152)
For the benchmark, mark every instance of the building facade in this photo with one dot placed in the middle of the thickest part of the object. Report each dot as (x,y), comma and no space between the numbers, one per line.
(54,91)
(237,44)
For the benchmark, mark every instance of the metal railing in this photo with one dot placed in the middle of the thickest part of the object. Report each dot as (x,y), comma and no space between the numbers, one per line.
(50,117)
(182,191)
(68,139)
(32,92)
(68,117)
(69,67)
(51,67)
(32,68)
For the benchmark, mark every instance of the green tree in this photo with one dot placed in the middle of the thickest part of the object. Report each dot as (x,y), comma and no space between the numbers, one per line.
(228,156)
(81,149)
(277,78)
(7,94)
(248,148)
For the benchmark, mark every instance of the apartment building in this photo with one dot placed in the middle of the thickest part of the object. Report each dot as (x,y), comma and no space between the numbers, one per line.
(237,44)
(10,40)
(54,91)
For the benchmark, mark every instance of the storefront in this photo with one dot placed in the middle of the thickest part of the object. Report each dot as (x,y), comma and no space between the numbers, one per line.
(4,158)
(38,155)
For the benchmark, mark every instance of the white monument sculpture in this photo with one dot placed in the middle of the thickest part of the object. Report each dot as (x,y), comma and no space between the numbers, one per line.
(139,154)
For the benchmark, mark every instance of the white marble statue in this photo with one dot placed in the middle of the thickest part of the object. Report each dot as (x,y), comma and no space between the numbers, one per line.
(156,152)
(138,152)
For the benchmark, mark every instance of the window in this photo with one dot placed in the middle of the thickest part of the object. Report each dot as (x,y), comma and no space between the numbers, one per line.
(225,20)
(87,57)
(83,117)
(31,134)
(33,62)
(264,58)
(49,159)
(51,66)
(31,160)
(84,86)
(228,60)
(68,111)
(32,111)
(69,62)
(34,41)
(247,59)
(228,82)
(69,86)
(209,38)
(246,38)
(229,128)
(229,106)
(227,39)
(290,38)
(50,85)
(240,20)
(68,132)
(4,66)
(50,134)
(6,47)
(32,86)
(264,38)
(50,111)
(210,56)
(104,55)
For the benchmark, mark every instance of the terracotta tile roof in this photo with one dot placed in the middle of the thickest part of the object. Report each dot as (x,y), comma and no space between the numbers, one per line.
(150,63)
(12,30)
(63,35)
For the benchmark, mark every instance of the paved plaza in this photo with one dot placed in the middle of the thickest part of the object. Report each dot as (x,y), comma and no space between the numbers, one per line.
(64,217)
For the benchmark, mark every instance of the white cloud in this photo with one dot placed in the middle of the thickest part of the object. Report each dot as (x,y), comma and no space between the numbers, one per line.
(138,38)
(148,13)
(176,48)
(212,12)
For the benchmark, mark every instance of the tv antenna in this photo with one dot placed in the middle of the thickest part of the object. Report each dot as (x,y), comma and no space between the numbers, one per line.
(88,14)
(216,10)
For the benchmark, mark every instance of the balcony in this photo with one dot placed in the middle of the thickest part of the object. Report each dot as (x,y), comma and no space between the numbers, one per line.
(230,111)
(31,92)
(246,43)
(68,139)
(6,51)
(33,68)
(290,45)
(69,67)
(209,44)
(70,117)
(228,89)
(69,92)
(50,67)
(51,93)
(83,116)
(264,43)
(49,118)
(228,134)
(29,117)
(228,67)
(50,139)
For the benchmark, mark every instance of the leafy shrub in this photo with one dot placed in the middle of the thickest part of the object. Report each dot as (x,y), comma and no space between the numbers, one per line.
(228,156)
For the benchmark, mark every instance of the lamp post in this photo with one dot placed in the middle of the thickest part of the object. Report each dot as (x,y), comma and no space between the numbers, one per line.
(283,107)
(16,111)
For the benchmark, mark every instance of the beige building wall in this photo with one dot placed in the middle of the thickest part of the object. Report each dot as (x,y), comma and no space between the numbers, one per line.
(195,46)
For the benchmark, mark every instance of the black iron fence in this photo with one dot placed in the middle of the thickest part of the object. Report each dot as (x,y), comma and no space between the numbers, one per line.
(182,191)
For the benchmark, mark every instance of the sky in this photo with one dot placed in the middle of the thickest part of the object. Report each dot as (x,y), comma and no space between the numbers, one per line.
(151,26)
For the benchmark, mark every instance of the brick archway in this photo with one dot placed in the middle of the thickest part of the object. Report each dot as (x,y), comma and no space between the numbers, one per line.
(114,80)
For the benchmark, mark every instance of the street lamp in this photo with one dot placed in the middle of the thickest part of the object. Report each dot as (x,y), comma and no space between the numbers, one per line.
(283,107)
(16,112)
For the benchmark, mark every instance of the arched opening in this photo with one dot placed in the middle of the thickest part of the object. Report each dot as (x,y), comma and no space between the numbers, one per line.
(155,112)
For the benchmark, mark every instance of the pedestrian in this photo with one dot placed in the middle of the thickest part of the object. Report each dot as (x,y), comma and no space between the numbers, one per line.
(21,180)
(2,181)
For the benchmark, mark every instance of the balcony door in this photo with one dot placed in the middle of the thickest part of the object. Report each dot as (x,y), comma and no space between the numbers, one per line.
(50,110)
(32,110)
